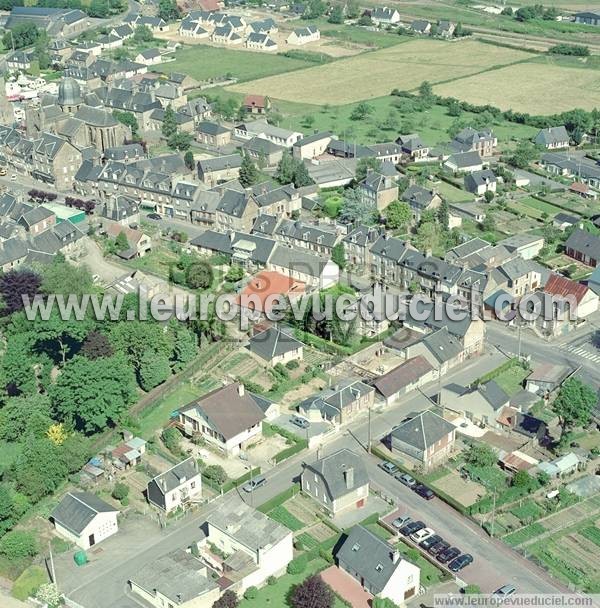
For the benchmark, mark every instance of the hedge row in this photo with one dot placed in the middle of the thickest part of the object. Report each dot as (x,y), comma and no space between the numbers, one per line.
(278,500)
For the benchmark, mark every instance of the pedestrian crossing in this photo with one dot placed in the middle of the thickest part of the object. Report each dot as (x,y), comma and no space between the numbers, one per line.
(585,351)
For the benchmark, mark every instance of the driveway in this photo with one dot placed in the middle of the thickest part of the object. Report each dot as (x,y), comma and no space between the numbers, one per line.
(346,587)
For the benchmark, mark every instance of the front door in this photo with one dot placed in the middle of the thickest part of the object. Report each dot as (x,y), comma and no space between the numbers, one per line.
(91,540)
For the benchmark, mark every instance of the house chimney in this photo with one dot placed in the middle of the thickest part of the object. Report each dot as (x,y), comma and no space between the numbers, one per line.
(349,477)
(395,555)
(241,389)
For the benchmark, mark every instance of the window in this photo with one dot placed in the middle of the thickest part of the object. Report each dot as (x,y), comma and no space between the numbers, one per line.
(355,547)
(379,568)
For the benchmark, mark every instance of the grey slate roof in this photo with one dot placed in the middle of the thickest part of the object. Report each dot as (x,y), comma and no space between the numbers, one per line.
(369,556)
(175,476)
(77,509)
(333,399)
(333,470)
(220,163)
(273,342)
(584,242)
(552,136)
(265,224)
(211,128)
(308,263)
(465,159)
(390,248)
(401,376)
(423,431)
(305,232)
(418,197)
(442,345)
(479,178)
(493,394)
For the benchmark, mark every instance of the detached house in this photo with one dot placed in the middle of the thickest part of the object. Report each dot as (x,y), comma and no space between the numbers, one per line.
(228,418)
(304,35)
(470,140)
(337,482)
(420,199)
(378,566)
(385,16)
(84,519)
(480,182)
(583,247)
(261,42)
(254,545)
(464,162)
(256,104)
(339,403)
(276,346)
(427,438)
(377,190)
(176,488)
(552,138)
(420,26)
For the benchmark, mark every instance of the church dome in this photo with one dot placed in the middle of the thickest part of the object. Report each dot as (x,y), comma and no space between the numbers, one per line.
(69,93)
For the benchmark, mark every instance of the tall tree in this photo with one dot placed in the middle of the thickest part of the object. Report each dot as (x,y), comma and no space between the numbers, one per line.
(154,370)
(397,215)
(128,118)
(134,338)
(168,10)
(169,125)
(574,404)
(96,345)
(353,209)
(188,159)
(94,394)
(248,172)
(23,416)
(199,275)
(185,346)
(443,215)
(338,255)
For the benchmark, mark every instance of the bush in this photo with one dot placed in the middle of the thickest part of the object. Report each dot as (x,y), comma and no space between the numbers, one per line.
(171,438)
(293,364)
(18,544)
(120,491)
(297,565)
(271,581)
(216,473)
(250,593)
(327,555)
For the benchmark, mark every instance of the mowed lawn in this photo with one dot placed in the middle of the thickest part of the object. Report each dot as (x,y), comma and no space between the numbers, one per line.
(370,75)
(204,62)
(530,87)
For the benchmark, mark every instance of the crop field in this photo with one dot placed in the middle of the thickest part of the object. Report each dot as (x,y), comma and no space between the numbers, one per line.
(530,87)
(204,62)
(370,75)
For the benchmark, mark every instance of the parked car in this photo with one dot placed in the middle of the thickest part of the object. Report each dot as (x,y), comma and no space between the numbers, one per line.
(504,592)
(411,528)
(401,521)
(424,491)
(303,423)
(153,216)
(460,562)
(438,548)
(254,484)
(431,541)
(420,535)
(388,467)
(447,555)
(406,479)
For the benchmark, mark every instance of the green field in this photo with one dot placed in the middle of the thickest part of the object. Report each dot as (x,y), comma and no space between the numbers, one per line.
(284,517)
(511,379)
(524,534)
(205,62)
(451,193)
(534,208)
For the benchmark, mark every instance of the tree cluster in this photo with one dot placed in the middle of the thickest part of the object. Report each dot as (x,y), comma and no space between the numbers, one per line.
(292,170)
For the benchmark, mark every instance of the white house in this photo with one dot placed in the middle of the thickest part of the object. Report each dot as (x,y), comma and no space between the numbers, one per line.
(480,182)
(385,16)
(176,488)
(176,579)
(84,519)
(304,35)
(261,42)
(255,545)
(309,268)
(228,418)
(263,130)
(378,566)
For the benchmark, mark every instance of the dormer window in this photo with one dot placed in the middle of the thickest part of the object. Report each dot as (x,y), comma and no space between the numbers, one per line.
(379,568)
(355,547)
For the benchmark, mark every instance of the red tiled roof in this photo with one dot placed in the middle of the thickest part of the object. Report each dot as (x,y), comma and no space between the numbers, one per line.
(271,283)
(561,286)
(579,187)
(255,101)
